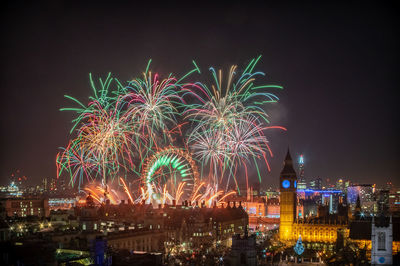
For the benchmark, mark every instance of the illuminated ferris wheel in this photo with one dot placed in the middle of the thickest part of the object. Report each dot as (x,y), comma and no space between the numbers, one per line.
(170,174)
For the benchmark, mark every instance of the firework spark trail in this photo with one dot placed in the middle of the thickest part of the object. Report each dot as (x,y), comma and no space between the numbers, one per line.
(94,194)
(179,191)
(209,200)
(143,195)
(126,189)
(164,194)
(226,195)
(196,191)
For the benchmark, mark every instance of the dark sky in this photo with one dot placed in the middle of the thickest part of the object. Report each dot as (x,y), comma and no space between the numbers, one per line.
(337,62)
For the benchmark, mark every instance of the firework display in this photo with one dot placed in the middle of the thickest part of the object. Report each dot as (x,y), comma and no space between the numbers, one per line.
(175,139)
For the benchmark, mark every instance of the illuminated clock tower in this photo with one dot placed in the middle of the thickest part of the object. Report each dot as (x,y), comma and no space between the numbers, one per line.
(288,198)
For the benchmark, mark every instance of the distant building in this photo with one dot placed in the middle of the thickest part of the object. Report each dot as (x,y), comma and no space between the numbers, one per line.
(310,198)
(340,185)
(366,193)
(383,200)
(62,203)
(45,184)
(302,184)
(394,200)
(23,207)
(11,190)
(316,183)
(310,208)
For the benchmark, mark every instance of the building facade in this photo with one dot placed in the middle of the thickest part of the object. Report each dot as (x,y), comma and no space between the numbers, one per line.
(288,198)
(243,251)
(382,243)
(23,207)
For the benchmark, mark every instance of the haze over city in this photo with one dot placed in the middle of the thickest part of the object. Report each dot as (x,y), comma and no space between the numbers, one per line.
(176,133)
(336,62)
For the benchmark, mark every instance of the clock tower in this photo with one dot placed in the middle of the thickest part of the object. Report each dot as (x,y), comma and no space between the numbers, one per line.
(288,198)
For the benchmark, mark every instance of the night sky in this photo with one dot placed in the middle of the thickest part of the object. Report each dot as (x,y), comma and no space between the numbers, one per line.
(338,64)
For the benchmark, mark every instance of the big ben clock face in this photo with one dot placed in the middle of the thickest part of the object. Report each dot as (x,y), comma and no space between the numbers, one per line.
(285,183)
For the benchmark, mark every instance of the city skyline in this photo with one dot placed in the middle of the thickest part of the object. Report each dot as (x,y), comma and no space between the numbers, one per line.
(339,78)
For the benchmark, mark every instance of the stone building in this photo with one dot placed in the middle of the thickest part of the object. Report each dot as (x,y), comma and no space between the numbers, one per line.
(374,235)
(137,240)
(243,250)
(381,242)
(22,207)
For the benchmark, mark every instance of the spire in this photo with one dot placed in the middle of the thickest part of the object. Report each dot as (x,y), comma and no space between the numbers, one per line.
(288,157)
(358,203)
(288,165)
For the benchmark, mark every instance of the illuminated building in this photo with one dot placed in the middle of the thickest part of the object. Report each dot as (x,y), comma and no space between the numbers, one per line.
(182,226)
(340,185)
(316,183)
(11,190)
(53,184)
(288,198)
(62,203)
(302,180)
(299,209)
(394,200)
(272,194)
(312,198)
(23,207)
(323,227)
(383,201)
(45,185)
(317,230)
(256,210)
(273,208)
(346,185)
(263,214)
(310,207)
(366,194)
